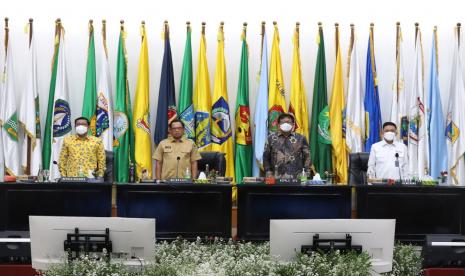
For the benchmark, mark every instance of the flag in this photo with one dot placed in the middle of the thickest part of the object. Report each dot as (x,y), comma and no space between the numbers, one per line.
(276,94)
(298,104)
(355,111)
(436,125)
(261,109)
(371,102)
(243,150)
(141,123)
(202,100)
(122,127)
(166,110)
(89,103)
(399,111)
(456,118)
(418,134)
(58,124)
(336,118)
(9,119)
(104,113)
(320,138)
(29,116)
(221,129)
(185,106)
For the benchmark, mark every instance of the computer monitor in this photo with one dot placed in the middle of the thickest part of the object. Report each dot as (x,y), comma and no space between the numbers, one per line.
(376,236)
(133,239)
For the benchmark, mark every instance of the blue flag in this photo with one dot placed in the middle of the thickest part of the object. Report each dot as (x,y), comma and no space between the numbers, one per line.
(372,109)
(261,112)
(436,124)
(166,110)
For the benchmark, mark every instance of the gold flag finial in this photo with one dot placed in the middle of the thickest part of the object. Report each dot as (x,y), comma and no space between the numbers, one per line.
(203,28)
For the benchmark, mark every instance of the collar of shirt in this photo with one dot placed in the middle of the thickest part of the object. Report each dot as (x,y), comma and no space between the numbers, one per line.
(175,141)
(77,137)
(280,133)
(384,143)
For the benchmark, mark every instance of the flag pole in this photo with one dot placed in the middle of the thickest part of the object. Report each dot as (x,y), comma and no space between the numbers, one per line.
(398,41)
(336,26)
(435,33)
(203,28)
(458,33)
(372,52)
(6,35)
(27,170)
(351,46)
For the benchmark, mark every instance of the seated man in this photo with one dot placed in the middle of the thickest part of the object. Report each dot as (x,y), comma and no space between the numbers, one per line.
(286,151)
(176,154)
(388,158)
(82,155)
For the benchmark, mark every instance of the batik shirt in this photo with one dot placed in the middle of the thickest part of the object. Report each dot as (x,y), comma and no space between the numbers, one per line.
(84,154)
(289,154)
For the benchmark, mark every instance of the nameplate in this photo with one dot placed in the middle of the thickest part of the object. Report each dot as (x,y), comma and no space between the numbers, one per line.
(178,180)
(287,181)
(73,179)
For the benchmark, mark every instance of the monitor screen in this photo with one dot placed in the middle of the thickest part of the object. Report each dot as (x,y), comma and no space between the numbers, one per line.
(376,237)
(132,239)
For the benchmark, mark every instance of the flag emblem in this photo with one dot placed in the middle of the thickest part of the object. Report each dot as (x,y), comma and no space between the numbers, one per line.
(452,132)
(120,124)
(243,135)
(61,118)
(324,136)
(187,117)
(202,124)
(221,125)
(404,129)
(143,123)
(11,127)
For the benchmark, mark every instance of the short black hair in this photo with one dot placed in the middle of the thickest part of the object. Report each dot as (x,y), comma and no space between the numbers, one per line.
(389,124)
(286,115)
(176,121)
(82,118)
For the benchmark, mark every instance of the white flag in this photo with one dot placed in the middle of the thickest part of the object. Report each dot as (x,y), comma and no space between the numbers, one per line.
(104,122)
(10,116)
(355,109)
(456,120)
(399,110)
(418,147)
(29,115)
(61,110)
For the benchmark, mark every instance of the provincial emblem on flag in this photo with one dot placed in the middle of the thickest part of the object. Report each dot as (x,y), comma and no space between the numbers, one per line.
(243,134)
(61,118)
(324,136)
(452,132)
(273,115)
(202,124)
(221,124)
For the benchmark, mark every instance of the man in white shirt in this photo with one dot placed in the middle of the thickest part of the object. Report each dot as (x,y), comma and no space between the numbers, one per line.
(388,158)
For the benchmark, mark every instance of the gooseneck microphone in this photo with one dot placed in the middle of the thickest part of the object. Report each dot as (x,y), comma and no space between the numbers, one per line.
(177,166)
(398,166)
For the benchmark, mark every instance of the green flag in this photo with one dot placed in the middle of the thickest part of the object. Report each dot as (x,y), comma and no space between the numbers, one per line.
(122,127)
(47,146)
(243,149)
(320,139)
(185,106)
(89,103)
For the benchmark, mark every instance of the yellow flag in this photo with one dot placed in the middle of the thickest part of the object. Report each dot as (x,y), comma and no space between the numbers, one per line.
(141,121)
(336,110)
(221,124)
(202,99)
(276,94)
(298,104)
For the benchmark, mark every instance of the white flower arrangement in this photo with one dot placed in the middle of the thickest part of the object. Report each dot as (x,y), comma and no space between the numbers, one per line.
(229,258)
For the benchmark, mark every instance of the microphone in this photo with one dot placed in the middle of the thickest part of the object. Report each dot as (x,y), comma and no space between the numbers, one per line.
(398,166)
(177,166)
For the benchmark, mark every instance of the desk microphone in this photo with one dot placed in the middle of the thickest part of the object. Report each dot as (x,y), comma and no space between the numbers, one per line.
(398,166)
(177,166)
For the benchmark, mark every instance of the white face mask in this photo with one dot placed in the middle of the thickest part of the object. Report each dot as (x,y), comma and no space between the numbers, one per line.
(389,136)
(81,130)
(286,127)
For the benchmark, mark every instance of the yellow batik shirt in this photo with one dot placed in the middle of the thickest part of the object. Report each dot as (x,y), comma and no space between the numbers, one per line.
(84,154)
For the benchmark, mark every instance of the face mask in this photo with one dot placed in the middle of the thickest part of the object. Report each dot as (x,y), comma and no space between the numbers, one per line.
(389,136)
(81,130)
(286,127)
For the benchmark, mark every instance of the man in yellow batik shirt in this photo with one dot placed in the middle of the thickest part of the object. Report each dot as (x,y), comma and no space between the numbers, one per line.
(82,155)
